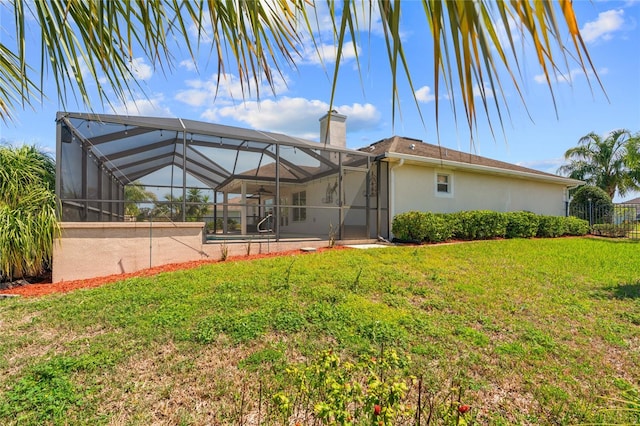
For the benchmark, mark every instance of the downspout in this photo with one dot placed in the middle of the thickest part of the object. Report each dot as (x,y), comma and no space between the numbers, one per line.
(392,197)
(568,200)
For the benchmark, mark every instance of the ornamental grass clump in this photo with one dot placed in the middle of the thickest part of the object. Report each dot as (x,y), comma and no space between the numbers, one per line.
(28,224)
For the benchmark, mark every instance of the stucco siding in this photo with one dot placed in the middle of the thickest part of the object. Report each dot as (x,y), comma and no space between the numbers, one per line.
(415,189)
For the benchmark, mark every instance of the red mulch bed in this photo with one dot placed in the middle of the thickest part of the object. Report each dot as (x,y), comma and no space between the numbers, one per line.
(41,289)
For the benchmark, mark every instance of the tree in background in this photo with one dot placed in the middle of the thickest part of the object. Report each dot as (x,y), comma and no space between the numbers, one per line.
(610,162)
(136,193)
(28,222)
(592,204)
(93,43)
(197,206)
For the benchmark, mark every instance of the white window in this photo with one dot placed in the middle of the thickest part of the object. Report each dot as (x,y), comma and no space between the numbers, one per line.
(299,213)
(444,184)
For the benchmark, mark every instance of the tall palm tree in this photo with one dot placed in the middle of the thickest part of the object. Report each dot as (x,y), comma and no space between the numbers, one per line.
(92,43)
(610,162)
(28,223)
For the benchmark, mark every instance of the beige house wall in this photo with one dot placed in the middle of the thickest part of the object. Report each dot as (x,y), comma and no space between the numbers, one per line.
(94,249)
(415,189)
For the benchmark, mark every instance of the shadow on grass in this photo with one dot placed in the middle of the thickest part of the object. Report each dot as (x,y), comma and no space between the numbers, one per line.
(614,240)
(622,291)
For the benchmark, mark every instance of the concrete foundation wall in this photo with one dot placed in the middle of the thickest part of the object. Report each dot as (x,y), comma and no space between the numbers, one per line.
(94,249)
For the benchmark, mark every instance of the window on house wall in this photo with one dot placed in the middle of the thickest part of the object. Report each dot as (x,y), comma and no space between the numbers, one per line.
(299,213)
(444,184)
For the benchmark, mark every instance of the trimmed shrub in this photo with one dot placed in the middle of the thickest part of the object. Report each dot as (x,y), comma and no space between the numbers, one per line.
(410,226)
(522,224)
(480,225)
(484,224)
(438,228)
(551,226)
(575,226)
(601,205)
(421,226)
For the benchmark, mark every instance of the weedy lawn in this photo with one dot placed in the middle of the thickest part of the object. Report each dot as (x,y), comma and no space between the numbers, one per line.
(520,331)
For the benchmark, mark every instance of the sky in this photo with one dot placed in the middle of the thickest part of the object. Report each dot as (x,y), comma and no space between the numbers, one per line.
(536,136)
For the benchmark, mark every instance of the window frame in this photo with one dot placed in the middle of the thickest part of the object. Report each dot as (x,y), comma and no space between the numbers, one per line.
(449,192)
(299,214)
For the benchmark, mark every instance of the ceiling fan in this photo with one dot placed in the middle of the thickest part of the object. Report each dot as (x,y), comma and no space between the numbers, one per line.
(262,190)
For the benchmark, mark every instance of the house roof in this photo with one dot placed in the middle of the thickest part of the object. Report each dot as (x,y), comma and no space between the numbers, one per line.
(632,201)
(418,152)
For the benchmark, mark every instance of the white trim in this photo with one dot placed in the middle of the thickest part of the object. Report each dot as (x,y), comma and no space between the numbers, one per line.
(455,165)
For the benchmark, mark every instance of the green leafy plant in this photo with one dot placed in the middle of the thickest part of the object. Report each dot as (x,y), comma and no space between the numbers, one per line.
(610,230)
(421,227)
(224,251)
(551,227)
(480,225)
(575,226)
(592,204)
(370,391)
(522,224)
(28,222)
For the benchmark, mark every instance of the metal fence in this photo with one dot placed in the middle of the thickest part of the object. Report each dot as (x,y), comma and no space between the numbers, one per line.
(617,220)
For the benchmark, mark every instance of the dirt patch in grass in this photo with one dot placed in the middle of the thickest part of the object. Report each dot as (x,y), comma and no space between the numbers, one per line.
(42,289)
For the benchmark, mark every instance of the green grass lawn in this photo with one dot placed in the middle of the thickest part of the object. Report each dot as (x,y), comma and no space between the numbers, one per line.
(523,331)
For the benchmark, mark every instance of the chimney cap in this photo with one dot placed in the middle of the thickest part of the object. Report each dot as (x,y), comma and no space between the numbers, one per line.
(334,116)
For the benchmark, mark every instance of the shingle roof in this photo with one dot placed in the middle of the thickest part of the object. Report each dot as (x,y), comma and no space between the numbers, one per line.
(632,201)
(415,147)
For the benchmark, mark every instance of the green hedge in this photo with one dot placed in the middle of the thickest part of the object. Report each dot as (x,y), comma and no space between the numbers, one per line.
(421,227)
(481,225)
(522,224)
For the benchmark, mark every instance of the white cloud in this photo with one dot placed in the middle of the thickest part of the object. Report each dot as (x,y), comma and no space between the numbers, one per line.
(188,64)
(477,91)
(143,106)
(207,92)
(514,29)
(424,94)
(294,116)
(327,53)
(603,27)
(140,69)
(568,77)
(549,165)
(202,30)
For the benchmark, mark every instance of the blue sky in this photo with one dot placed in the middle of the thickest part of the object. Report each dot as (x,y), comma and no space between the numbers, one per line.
(534,137)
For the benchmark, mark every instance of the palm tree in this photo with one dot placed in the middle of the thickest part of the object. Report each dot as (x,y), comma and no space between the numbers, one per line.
(136,193)
(610,162)
(28,223)
(197,206)
(89,43)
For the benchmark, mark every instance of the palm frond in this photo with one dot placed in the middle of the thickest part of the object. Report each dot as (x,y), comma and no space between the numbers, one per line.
(89,44)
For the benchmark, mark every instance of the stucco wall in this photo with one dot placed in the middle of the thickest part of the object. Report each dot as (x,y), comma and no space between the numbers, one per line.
(93,249)
(415,189)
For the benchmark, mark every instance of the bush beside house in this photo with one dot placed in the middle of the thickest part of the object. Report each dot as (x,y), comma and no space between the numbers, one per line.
(481,225)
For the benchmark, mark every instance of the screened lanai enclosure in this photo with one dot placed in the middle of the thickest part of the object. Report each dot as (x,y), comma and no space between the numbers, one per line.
(241,183)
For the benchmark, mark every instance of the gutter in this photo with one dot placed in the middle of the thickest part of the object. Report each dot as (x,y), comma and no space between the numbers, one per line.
(480,168)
